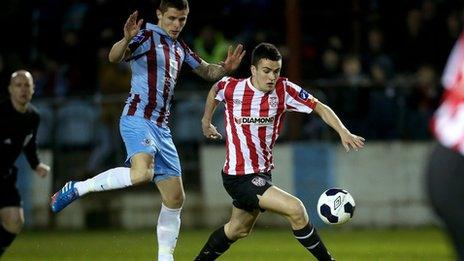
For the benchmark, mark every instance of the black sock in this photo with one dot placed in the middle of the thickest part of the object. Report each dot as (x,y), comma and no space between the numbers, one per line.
(309,238)
(217,244)
(5,239)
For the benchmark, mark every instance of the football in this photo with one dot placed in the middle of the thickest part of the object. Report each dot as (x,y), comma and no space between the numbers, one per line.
(335,206)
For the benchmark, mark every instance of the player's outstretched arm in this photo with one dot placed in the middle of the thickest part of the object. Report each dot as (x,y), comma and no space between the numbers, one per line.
(214,72)
(348,139)
(209,130)
(119,51)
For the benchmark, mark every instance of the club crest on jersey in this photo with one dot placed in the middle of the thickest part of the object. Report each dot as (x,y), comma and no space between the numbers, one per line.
(148,142)
(273,101)
(304,95)
(262,121)
(178,51)
(237,101)
(258,181)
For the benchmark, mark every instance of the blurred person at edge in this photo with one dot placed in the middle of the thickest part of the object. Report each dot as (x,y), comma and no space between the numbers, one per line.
(445,170)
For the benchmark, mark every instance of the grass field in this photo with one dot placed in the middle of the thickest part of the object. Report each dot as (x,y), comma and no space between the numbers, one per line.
(262,244)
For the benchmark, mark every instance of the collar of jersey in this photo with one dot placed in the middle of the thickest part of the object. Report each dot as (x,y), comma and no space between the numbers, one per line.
(250,84)
(156,28)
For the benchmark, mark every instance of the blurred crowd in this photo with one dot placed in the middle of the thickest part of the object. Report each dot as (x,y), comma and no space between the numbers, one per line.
(66,41)
(377,63)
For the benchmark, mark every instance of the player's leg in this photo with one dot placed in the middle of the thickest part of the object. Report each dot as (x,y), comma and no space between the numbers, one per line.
(169,182)
(283,203)
(138,138)
(239,226)
(11,213)
(241,223)
(140,146)
(445,182)
(141,171)
(168,226)
(244,191)
(12,221)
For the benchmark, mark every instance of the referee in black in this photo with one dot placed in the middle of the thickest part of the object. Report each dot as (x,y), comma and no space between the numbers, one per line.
(18,128)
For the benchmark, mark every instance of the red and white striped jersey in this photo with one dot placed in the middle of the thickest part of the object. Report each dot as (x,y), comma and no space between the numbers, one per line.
(253,120)
(448,121)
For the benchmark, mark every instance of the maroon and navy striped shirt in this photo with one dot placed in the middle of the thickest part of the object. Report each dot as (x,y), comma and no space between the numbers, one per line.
(155,62)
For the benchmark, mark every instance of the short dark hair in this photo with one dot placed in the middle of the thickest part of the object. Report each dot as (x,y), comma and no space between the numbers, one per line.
(177,4)
(265,51)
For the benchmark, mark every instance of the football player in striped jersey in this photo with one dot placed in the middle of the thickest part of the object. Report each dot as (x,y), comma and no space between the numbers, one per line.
(254,110)
(156,55)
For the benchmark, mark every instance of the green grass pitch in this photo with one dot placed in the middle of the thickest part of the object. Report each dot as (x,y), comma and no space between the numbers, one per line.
(262,244)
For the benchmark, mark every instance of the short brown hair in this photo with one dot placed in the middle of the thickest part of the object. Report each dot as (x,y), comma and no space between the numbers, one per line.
(265,51)
(177,4)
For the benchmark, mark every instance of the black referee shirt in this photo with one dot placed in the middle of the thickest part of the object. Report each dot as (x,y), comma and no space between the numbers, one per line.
(17,133)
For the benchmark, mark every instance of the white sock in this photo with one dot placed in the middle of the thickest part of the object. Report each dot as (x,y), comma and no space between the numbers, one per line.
(110,179)
(167,231)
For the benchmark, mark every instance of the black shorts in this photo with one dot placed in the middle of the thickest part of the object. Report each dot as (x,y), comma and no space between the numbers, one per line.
(245,189)
(9,195)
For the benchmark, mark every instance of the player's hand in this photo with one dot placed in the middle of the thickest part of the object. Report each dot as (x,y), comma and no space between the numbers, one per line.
(132,27)
(42,170)
(351,140)
(233,59)
(210,131)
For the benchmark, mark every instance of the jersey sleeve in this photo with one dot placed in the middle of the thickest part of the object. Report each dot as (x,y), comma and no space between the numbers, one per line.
(140,44)
(298,99)
(221,88)
(453,71)
(191,58)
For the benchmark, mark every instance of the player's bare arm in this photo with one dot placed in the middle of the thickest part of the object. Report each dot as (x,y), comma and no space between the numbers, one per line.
(209,130)
(348,139)
(119,51)
(214,72)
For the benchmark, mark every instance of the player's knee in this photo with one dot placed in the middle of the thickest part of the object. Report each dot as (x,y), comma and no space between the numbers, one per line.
(297,213)
(141,175)
(14,224)
(174,200)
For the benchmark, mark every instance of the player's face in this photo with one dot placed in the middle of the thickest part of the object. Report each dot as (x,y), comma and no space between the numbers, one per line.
(172,21)
(265,74)
(21,89)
